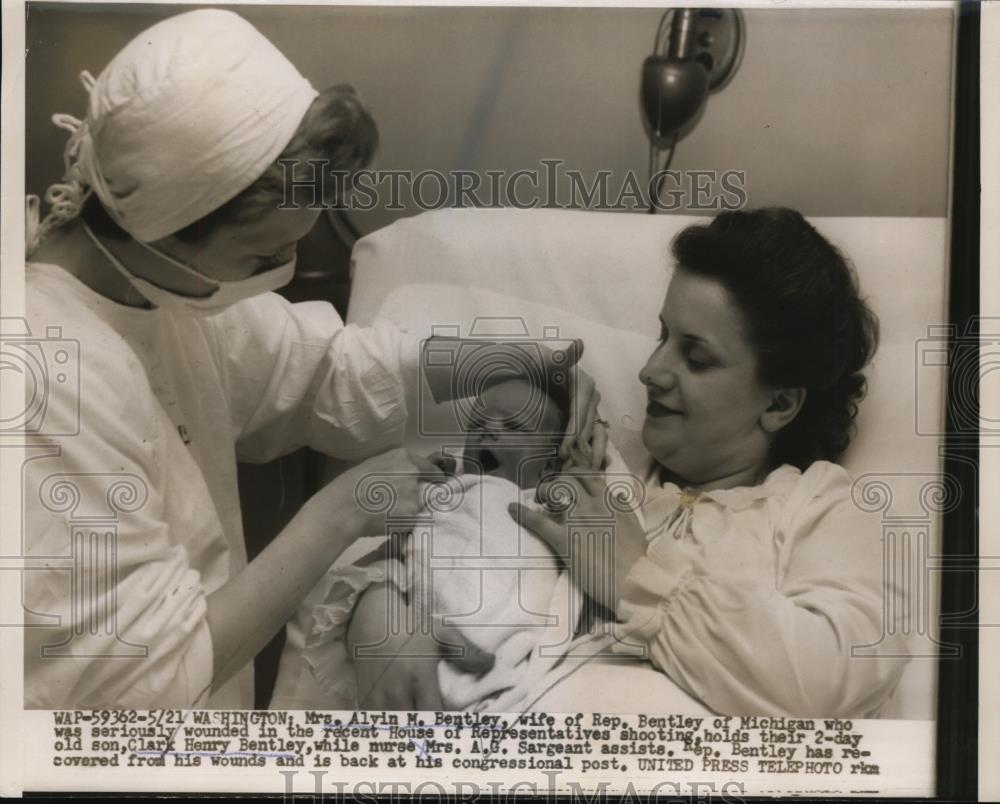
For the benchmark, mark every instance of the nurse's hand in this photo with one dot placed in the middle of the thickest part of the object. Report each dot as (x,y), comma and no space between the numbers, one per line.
(360,498)
(401,673)
(277,581)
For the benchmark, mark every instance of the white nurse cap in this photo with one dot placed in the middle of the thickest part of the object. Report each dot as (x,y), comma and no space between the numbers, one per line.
(185,116)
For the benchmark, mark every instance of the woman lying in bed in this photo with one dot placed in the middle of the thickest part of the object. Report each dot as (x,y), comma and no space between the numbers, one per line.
(754,578)
(748,577)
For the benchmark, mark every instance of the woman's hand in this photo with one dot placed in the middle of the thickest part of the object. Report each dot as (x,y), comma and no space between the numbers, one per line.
(586,434)
(401,670)
(600,566)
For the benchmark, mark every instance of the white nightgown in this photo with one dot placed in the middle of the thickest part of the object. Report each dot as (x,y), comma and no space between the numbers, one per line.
(770,599)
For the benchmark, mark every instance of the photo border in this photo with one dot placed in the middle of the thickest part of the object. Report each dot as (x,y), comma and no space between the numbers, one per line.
(957,750)
(957,754)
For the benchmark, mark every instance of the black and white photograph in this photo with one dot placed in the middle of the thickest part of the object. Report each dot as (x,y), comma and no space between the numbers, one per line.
(554,398)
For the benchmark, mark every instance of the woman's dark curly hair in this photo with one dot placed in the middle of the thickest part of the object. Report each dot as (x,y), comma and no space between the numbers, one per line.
(803,313)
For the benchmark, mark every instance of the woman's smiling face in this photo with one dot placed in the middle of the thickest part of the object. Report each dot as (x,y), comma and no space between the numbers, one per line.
(705,402)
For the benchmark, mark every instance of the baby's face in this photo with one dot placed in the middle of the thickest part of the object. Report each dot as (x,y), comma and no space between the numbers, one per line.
(513,430)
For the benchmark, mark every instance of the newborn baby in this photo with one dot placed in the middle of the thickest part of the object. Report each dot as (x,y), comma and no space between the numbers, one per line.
(501,586)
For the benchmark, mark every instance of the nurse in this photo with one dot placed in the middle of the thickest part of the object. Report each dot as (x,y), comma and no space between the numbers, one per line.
(156,258)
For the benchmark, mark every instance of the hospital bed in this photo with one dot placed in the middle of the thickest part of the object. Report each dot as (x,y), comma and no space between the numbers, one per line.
(552,274)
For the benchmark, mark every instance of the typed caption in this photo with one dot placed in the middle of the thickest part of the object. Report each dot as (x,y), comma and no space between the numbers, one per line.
(593,749)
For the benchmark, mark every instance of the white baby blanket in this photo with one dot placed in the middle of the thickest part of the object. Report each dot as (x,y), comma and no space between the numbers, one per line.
(499,585)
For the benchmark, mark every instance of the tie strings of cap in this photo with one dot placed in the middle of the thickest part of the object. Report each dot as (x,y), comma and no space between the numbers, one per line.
(67,197)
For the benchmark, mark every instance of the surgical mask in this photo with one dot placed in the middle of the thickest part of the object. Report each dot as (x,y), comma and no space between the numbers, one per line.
(225,293)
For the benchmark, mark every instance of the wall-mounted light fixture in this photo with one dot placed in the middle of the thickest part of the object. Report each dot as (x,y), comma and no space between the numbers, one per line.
(703,50)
